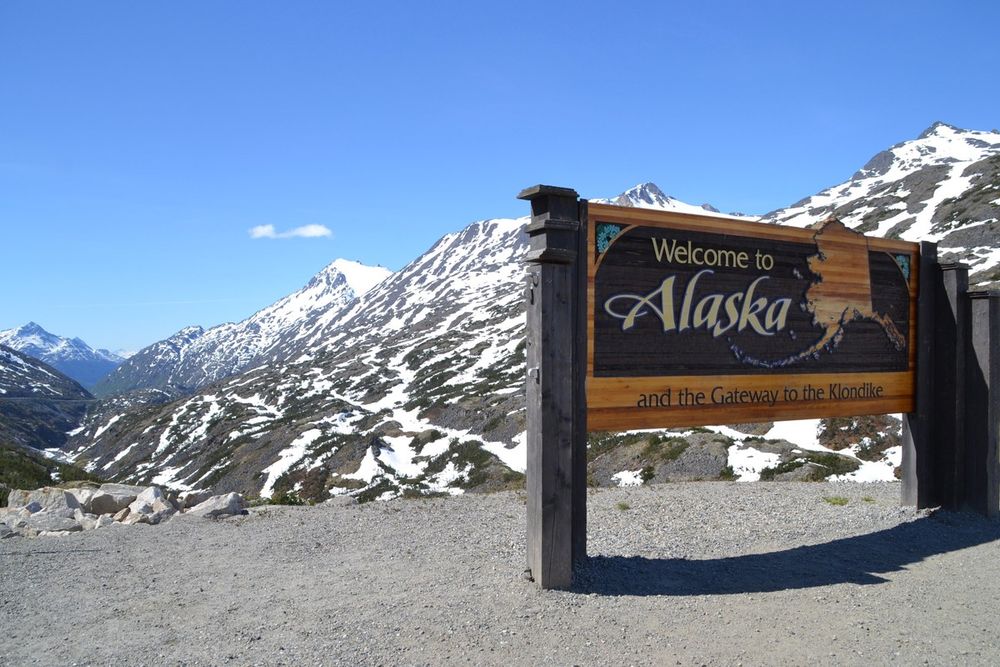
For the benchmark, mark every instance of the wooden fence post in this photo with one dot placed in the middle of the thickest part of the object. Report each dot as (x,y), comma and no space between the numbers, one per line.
(552,384)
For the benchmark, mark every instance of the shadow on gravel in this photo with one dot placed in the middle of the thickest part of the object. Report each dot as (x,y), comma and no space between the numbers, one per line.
(856,560)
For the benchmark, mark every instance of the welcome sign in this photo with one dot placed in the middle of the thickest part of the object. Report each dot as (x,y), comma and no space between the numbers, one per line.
(697,319)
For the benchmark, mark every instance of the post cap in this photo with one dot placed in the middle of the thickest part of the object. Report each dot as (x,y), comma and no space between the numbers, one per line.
(985,294)
(954,266)
(536,191)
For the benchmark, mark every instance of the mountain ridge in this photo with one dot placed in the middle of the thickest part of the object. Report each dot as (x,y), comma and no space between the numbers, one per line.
(943,186)
(195,357)
(39,406)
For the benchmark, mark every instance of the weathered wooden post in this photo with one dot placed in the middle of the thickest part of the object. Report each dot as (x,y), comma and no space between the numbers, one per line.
(918,432)
(982,428)
(554,409)
(950,335)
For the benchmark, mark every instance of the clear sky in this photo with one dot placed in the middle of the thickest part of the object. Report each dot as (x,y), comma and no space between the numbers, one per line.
(141,142)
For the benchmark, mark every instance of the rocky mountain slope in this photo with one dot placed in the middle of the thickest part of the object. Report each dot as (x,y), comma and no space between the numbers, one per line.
(154,366)
(417,386)
(362,387)
(194,357)
(38,404)
(70,356)
(943,186)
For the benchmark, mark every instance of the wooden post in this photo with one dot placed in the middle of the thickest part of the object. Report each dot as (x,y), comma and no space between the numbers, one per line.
(950,334)
(918,464)
(982,483)
(552,386)
(580,428)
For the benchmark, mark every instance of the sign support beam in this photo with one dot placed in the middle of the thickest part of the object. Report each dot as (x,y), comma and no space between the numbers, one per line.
(982,394)
(918,433)
(950,335)
(556,530)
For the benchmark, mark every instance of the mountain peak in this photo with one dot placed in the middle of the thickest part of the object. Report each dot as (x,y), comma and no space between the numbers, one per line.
(194,357)
(940,129)
(193,330)
(71,356)
(32,329)
(644,195)
(649,195)
(359,277)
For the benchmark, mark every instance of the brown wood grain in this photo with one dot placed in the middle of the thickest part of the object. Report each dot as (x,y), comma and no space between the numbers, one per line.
(611,402)
(673,220)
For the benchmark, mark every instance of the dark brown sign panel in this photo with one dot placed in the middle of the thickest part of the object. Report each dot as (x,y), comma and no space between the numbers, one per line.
(697,320)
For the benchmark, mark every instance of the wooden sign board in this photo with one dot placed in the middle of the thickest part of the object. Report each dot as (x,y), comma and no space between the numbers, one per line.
(705,320)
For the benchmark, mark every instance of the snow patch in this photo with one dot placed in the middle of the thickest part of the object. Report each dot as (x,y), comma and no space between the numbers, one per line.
(287,458)
(628,478)
(747,462)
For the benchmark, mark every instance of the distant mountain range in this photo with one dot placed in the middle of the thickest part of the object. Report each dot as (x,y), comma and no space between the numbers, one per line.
(71,356)
(416,386)
(194,357)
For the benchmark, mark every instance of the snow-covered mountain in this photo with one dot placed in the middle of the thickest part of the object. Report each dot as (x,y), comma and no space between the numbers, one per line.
(70,356)
(416,386)
(194,357)
(943,186)
(38,404)
(24,376)
(648,195)
(153,367)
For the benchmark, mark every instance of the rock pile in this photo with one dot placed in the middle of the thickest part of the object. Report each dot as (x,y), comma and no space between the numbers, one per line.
(61,511)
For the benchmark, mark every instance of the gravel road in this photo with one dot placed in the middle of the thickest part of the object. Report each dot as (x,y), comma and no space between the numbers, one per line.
(689,573)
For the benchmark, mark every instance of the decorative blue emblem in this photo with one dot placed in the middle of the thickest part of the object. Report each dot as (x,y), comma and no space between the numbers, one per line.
(606,232)
(904,265)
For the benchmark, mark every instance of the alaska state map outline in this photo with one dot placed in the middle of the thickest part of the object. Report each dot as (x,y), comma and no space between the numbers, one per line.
(843,293)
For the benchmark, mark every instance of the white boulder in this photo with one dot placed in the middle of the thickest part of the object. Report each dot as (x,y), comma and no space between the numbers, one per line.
(218,506)
(45,521)
(113,498)
(135,517)
(150,506)
(85,519)
(84,495)
(189,499)
(47,498)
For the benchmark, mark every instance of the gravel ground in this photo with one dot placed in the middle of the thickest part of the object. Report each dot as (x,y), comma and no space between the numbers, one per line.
(691,573)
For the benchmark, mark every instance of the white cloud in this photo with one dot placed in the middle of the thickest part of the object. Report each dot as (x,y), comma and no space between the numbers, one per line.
(305,232)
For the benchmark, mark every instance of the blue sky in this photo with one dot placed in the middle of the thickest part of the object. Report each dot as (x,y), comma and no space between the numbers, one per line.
(140,142)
